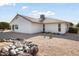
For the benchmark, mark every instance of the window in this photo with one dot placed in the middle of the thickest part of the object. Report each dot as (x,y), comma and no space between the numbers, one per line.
(59,27)
(16,26)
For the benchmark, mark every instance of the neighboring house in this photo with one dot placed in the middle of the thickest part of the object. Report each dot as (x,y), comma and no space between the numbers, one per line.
(25,24)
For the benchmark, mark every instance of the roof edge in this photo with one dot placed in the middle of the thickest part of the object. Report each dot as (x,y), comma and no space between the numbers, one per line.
(21,16)
(36,22)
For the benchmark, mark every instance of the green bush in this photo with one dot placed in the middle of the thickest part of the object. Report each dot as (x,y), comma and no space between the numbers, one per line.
(73,30)
(4,25)
(77,25)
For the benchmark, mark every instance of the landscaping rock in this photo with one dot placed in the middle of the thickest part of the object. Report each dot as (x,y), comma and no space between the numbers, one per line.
(34,50)
(18,48)
(12,52)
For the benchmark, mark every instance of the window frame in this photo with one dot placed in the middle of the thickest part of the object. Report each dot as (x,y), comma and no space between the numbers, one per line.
(16,27)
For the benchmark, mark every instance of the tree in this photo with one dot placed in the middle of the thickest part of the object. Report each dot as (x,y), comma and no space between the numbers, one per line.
(4,25)
(77,25)
(71,24)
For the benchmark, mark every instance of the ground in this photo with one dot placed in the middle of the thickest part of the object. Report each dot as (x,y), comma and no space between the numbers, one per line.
(56,46)
(67,44)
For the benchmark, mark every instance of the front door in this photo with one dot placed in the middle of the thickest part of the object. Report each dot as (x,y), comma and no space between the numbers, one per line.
(43,28)
(13,27)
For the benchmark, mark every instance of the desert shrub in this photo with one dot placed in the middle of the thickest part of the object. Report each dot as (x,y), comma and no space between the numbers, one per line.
(73,30)
(71,24)
(4,25)
(49,34)
(77,25)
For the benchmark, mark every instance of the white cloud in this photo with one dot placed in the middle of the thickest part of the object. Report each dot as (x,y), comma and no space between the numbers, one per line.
(50,13)
(7,4)
(24,7)
(37,13)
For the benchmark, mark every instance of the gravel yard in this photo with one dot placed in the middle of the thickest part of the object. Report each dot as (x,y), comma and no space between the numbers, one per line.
(56,46)
(59,45)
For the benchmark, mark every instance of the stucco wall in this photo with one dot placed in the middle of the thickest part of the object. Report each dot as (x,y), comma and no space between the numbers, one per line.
(35,28)
(54,28)
(23,25)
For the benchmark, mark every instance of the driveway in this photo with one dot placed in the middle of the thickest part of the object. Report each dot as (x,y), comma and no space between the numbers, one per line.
(7,35)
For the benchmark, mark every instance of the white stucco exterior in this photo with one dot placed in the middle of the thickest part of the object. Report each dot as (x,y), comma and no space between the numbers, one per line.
(35,28)
(26,26)
(23,25)
(54,28)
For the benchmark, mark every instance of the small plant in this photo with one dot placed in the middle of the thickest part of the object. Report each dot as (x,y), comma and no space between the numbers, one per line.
(48,34)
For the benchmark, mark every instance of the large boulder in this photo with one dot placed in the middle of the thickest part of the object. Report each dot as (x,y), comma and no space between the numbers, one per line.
(34,50)
(4,51)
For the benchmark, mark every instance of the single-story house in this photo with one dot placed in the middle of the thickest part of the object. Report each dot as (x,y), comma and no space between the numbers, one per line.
(25,24)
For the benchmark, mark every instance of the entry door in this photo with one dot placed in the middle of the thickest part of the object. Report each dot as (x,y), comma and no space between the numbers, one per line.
(43,28)
(13,27)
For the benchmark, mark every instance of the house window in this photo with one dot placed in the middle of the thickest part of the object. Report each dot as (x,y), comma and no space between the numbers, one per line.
(16,26)
(59,27)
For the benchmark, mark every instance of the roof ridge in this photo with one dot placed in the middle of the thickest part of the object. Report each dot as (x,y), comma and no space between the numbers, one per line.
(37,20)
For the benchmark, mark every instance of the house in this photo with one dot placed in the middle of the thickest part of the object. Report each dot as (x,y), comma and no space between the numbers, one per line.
(25,24)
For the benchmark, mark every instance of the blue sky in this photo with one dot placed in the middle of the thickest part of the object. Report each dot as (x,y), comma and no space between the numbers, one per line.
(64,11)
